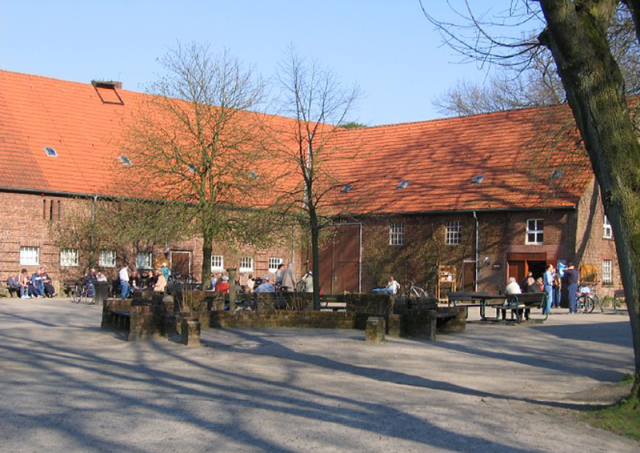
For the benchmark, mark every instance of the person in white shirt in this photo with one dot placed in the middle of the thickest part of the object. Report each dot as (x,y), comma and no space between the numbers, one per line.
(124,282)
(512,287)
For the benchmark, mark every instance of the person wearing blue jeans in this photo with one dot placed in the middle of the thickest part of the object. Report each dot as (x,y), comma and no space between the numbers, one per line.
(548,288)
(124,282)
(572,282)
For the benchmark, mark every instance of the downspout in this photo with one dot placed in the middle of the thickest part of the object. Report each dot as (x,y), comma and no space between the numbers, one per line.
(93,226)
(477,247)
(360,263)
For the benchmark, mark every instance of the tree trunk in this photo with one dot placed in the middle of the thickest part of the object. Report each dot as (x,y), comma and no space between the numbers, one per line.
(595,92)
(315,255)
(207,251)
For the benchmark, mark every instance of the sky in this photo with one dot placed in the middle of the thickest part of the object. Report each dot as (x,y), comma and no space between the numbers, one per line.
(386,47)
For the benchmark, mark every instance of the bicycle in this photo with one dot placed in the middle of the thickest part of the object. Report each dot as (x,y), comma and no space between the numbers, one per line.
(82,294)
(416,291)
(587,298)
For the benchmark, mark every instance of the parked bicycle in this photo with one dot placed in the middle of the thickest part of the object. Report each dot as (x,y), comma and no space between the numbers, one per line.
(588,298)
(416,291)
(83,293)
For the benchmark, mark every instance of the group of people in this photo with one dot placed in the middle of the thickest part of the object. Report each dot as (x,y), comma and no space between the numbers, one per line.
(38,285)
(551,284)
(151,280)
(285,281)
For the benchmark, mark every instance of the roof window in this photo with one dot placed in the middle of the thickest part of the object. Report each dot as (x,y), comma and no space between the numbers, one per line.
(108,91)
(192,169)
(253,174)
(477,179)
(125,160)
(346,188)
(557,174)
(51,152)
(403,184)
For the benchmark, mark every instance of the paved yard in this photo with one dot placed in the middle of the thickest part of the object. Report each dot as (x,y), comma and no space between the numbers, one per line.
(65,385)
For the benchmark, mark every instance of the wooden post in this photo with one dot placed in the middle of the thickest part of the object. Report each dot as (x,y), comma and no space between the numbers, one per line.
(232,289)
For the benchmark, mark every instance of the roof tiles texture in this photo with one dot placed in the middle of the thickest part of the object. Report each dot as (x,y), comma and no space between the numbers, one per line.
(516,152)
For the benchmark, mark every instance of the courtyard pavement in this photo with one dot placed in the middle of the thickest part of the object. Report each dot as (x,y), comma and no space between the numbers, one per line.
(66,385)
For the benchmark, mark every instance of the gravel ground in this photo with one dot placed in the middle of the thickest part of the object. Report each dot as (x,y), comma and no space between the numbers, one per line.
(66,385)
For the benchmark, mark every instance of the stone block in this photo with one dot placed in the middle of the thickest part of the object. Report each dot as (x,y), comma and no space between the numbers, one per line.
(190,332)
(375,329)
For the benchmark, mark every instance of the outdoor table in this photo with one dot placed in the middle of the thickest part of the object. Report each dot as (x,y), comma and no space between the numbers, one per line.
(481,297)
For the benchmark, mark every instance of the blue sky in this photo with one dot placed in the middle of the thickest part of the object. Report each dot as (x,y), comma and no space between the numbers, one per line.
(387,47)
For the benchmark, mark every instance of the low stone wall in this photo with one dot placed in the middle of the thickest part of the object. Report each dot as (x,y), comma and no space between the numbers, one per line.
(281,318)
(147,316)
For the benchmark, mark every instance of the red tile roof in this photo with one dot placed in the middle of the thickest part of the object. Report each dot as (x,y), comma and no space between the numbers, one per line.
(516,151)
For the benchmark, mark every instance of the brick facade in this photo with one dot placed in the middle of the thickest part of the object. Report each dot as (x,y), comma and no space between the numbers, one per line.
(30,220)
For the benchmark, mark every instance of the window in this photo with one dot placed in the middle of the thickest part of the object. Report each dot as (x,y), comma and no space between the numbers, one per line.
(274,263)
(608,231)
(535,231)
(29,256)
(125,160)
(51,210)
(107,258)
(607,271)
(144,260)
(403,184)
(69,257)
(217,262)
(477,179)
(453,235)
(246,264)
(51,152)
(396,233)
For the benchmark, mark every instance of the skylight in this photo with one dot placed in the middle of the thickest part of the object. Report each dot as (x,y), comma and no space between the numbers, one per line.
(51,152)
(557,174)
(125,160)
(403,184)
(253,174)
(192,169)
(346,188)
(477,179)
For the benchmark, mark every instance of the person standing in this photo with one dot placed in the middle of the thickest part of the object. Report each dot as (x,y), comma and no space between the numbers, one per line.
(557,289)
(288,279)
(165,271)
(124,281)
(308,282)
(572,282)
(548,288)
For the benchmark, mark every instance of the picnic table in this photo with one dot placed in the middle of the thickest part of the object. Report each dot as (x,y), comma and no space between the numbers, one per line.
(476,299)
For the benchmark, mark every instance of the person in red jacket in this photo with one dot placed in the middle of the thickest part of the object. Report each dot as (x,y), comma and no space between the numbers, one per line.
(223,285)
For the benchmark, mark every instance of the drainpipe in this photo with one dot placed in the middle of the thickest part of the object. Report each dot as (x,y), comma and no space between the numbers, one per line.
(93,226)
(475,280)
(360,263)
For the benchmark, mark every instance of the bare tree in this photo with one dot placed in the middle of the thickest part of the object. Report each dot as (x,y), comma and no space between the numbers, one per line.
(195,142)
(531,79)
(319,104)
(576,33)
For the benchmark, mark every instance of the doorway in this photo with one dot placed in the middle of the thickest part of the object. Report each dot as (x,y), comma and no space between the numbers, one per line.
(520,264)
(180,263)
(468,276)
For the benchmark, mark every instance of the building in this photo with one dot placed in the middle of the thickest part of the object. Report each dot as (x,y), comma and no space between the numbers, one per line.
(482,197)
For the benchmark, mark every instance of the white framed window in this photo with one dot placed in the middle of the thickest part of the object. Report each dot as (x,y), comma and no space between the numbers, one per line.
(607,271)
(69,257)
(274,263)
(144,260)
(246,264)
(107,258)
(607,232)
(217,262)
(535,232)
(453,235)
(396,233)
(29,256)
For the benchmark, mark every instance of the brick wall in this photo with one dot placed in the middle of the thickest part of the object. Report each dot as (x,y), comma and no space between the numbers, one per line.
(590,245)
(30,220)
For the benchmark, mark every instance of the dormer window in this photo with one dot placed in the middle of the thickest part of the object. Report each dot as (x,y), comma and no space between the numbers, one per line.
(125,160)
(51,152)
(403,184)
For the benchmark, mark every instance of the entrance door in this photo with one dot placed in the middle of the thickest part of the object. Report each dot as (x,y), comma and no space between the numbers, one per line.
(181,262)
(340,261)
(517,269)
(468,275)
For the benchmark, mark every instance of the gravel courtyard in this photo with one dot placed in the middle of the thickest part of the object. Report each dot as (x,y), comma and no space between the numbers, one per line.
(66,385)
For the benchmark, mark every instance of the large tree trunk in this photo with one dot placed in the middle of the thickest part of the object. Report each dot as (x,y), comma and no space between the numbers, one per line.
(315,255)
(595,90)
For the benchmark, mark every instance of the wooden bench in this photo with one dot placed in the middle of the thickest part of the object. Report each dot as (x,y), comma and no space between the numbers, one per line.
(521,305)
(329,303)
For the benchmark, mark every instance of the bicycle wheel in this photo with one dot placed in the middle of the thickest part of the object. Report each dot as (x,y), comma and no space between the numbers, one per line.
(76,294)
(588,304)
(581,304)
